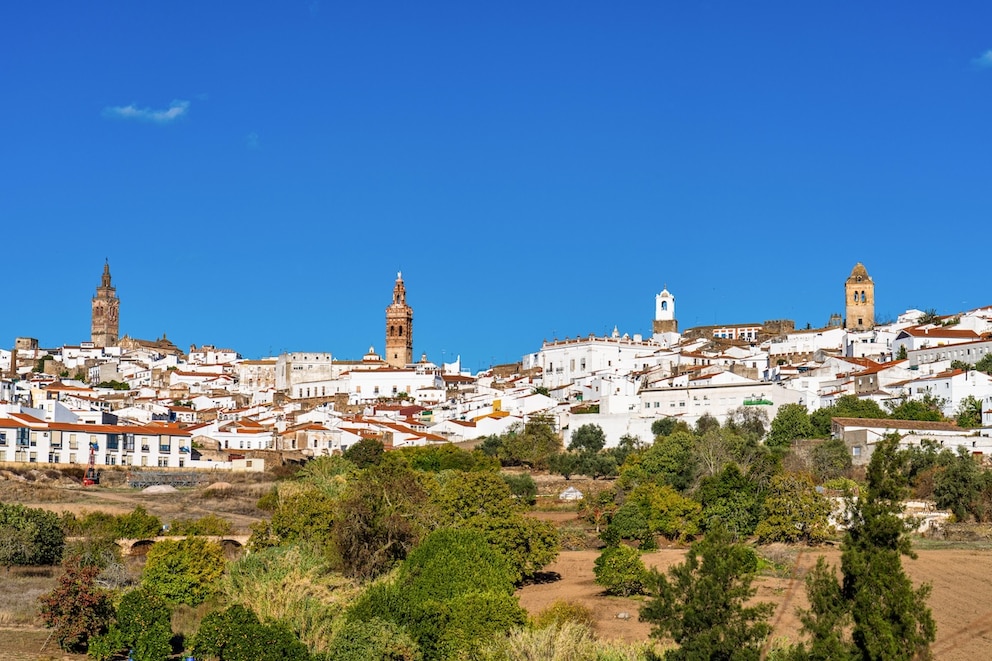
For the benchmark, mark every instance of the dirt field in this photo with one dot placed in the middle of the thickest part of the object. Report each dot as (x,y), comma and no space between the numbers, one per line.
(961,598)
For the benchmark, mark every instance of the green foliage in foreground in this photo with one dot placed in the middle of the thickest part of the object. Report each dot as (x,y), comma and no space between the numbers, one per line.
(701,604)
(620,570)
(29,536)
(235,634)
(293,585)
(886,617)
(143,626)
(184,571)
(452,593)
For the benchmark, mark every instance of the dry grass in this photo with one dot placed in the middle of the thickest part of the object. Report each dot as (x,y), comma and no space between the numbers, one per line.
(19,592)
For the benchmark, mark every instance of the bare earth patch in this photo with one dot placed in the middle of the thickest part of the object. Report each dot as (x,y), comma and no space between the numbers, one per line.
(961,599)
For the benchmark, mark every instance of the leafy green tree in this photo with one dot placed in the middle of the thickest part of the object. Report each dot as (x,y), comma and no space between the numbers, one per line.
(436,458)
(706,423)
(831,459)
(381,516)
(76,608)
(527,543)
(889,617)
(620,570)
(929,316)
(137,524)
(927,407)
(794,512)
(650,510)
(566,464)
(183,571)
(792,422)
(732,499)
(492,446)
(902,354)
(669,461)
(703,603)
(483,501)
(597,464)
(628,445)
(305,516)
(847,406)
(30,536)
(143,626)
(532,445)
(969,414)
(16,545)
(366,452)
(751,422)
(468,496)
(235,634)
(958,487)
(588,438)
(985,364)
(210,525)
(522,486)
(663,426)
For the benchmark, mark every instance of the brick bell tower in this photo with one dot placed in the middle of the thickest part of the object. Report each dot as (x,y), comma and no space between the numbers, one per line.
(105,323)
(399,327)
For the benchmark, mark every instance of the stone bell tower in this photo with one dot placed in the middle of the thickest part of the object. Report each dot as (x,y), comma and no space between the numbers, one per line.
(105,323)
(399,327)
(860,292)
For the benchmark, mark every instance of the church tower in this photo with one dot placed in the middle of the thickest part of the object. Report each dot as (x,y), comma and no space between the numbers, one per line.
(105,324)
(860,293)
(399,327)
(664,313)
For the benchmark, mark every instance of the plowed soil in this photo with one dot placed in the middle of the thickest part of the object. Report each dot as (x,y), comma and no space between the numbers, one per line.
(961,599)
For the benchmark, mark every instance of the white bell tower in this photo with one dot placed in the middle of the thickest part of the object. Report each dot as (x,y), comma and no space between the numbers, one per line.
(664,313)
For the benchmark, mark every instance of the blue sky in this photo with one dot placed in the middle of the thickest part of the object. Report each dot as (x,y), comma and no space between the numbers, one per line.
(257,172)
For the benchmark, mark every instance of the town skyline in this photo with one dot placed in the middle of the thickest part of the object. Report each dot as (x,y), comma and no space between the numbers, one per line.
(378,343)
(257,176)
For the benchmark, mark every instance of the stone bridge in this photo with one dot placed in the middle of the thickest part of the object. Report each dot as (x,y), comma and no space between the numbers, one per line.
(233,545)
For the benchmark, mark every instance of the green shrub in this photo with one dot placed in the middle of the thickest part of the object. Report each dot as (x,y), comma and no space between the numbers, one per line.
(142,626)
(621,571)
(451,593)
(373,640)
(184,571)
(210,525)
(235,634)
(522,486)
(30,536)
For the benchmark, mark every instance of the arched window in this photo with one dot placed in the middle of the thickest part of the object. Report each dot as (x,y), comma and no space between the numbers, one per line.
(855,297)
(863,299)
(664,305)
(392,331)
(400,329)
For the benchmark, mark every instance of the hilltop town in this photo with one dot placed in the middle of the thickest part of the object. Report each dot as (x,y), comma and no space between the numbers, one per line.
(122,401)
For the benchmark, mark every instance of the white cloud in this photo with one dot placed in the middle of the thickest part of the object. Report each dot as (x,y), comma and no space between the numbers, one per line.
(176,109)
(984,60)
